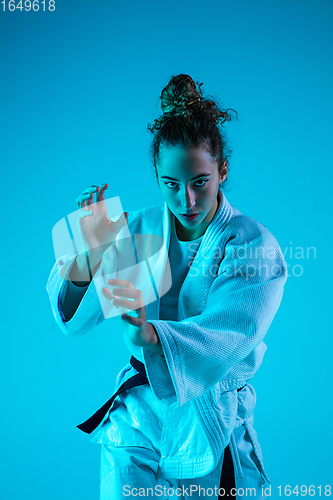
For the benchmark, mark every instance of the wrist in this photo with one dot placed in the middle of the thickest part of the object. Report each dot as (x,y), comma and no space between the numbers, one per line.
(89,257)
(94,256)
(84,267)
(153,344)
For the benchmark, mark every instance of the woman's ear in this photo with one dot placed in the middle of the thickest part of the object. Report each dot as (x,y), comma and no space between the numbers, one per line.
(223,172)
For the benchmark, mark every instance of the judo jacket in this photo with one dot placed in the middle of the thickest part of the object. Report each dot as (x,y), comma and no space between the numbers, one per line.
(226,304)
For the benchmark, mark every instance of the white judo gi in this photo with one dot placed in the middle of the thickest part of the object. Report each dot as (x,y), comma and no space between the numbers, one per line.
(226,304)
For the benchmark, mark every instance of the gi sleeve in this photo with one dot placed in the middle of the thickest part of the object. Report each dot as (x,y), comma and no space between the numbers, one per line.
(89,312)
(223,341)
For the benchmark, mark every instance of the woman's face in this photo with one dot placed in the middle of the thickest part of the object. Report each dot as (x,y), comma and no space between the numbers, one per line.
(189,181)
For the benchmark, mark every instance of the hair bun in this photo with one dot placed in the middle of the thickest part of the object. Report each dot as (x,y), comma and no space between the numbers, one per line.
(183,105)
(180,94)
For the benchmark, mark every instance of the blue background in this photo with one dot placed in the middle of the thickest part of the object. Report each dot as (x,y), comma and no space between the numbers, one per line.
(78,87)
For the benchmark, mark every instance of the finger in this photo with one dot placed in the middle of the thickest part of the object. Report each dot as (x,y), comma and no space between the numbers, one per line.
(108,306)
(86,193)
(117,281)
(132,305)
(98,189)
(84,212)
(101,194)
(91,189)
(129,293)
(132,320)
(83,197)
(90,200)
(80,200)
(107,293)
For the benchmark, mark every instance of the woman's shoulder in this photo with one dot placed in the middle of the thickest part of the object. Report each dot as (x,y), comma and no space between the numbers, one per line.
(250,243)
(244,228)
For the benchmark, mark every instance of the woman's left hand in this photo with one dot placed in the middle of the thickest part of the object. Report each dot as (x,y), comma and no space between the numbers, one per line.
(142,334)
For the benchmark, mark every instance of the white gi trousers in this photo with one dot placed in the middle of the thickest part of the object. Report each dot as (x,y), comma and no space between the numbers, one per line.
(132,471)
(130,455)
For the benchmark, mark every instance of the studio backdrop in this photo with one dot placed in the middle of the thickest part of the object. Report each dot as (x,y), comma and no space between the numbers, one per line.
(80,81)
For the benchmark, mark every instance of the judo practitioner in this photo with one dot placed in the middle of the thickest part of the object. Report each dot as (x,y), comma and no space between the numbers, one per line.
(180,422)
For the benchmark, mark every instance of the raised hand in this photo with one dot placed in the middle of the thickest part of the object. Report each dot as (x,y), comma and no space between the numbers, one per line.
(96,229)
(97,233)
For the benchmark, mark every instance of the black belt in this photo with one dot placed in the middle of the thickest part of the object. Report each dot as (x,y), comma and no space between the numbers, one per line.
(227,476)
(139,379)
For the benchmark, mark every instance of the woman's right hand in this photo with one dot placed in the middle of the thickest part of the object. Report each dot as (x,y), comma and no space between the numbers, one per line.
(96,229)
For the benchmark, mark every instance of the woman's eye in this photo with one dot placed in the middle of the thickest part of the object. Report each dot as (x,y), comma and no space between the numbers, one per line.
(200,183)
(201,180)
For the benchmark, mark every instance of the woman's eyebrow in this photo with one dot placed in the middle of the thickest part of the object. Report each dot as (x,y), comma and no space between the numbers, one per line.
(193,178)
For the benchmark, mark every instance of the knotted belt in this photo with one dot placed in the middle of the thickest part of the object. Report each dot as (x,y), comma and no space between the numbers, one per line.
(227,476)
(139,379)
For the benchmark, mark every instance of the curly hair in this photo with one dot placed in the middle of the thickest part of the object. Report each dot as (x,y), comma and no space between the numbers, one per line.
(190,120)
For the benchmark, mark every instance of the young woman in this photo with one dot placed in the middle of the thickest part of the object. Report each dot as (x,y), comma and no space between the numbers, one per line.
(181,422)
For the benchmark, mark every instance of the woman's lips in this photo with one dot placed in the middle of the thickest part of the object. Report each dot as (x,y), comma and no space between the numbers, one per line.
(189,217)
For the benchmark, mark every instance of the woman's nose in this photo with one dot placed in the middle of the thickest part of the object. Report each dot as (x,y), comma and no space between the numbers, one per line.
(187,199)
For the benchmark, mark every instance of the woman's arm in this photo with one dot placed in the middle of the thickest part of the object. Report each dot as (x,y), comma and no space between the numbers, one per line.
(80,318)
(78,282)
